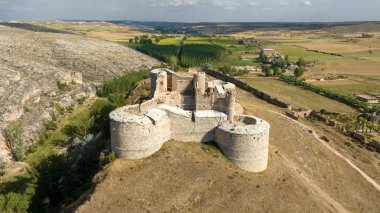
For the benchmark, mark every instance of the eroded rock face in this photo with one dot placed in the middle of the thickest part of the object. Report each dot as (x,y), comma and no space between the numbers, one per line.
(32,64)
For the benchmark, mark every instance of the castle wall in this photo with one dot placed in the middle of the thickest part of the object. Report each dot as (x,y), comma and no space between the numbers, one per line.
(138,136)
(200,129)
(138,131)
(182,84)
(245,145)
(244,86)
(204,101)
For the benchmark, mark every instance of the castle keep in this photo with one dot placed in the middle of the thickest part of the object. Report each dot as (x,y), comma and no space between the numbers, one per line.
(190,109)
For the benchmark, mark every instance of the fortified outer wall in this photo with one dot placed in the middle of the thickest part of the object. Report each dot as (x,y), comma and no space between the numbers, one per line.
(136,136)
(244,86)
(246,146)
(138,131)
(198,127)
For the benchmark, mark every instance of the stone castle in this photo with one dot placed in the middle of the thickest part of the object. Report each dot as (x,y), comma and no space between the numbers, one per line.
(190,109)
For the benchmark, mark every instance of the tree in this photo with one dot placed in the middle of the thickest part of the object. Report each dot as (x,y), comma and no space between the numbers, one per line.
(136,39)
(262,57)
(14,134)
(367,35)
(158,39)
(173,62)
(267,71)
(131,40)
(13,202)
(301,62)
(277,71)
(298,72)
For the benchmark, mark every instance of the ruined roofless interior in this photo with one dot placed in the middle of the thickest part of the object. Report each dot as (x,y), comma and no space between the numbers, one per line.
(190,109)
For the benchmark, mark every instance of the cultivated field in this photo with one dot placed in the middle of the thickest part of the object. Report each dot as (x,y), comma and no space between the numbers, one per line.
(336,51)
(296,96)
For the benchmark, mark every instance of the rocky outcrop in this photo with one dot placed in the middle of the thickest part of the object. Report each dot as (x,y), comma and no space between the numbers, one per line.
(39,69)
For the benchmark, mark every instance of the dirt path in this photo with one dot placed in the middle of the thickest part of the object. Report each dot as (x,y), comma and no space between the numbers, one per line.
(368,178)
(328,201)
(329,175)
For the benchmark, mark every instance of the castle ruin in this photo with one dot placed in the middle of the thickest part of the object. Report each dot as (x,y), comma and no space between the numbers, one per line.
(190,109)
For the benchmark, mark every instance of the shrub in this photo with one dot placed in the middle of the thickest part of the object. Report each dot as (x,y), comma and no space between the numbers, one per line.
(123,84)
(13,202)
(59,108)
(117,99)
(14,134)
(2,169)
(51,125)
(112,156)
(63,86)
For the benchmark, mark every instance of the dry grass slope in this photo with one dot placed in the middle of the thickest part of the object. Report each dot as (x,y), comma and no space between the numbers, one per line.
(303,176)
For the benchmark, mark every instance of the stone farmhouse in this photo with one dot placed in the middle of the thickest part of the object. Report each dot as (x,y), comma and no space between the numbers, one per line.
(371,99)
(190,109)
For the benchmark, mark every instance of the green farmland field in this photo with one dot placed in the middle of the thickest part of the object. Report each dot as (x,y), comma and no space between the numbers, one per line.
(296,96)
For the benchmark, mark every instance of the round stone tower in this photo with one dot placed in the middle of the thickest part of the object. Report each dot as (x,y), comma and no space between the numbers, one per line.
(246,144)
(200,82)
(153,81)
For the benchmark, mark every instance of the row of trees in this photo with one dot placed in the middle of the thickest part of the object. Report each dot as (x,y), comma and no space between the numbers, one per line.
(198,54)
(146,39)
(349,100)
(161,52)
(232,71)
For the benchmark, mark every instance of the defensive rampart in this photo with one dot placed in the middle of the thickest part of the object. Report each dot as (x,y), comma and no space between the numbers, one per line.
(190,109)
(244,86)
(136,136)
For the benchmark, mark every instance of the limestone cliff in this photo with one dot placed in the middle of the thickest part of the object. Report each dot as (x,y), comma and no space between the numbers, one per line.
(33,65)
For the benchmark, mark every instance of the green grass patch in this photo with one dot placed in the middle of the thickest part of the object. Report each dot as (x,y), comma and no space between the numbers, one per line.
(350,89)
(294,53)
(198,40)
(294,95)
(170,41)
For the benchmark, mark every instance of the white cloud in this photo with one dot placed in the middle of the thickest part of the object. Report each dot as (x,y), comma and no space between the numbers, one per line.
(283,3)
(170,3)
(307,3)
(227,4)
(252,3)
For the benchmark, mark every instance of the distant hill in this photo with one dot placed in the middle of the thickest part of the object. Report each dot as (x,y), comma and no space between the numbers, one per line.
(362,27)
(230,27)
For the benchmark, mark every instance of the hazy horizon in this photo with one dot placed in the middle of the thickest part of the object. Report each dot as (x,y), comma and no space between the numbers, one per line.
(193,11)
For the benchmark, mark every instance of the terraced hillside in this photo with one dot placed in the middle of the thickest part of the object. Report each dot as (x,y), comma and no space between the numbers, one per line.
(41,73)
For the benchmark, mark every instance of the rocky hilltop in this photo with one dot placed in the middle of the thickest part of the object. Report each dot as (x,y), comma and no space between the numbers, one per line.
(40,70)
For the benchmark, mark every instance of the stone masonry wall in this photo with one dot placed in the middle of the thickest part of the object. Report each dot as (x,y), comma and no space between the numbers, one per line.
(244,86)
(245,145)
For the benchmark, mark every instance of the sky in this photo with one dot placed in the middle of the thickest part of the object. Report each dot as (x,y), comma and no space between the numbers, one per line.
(193,10)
